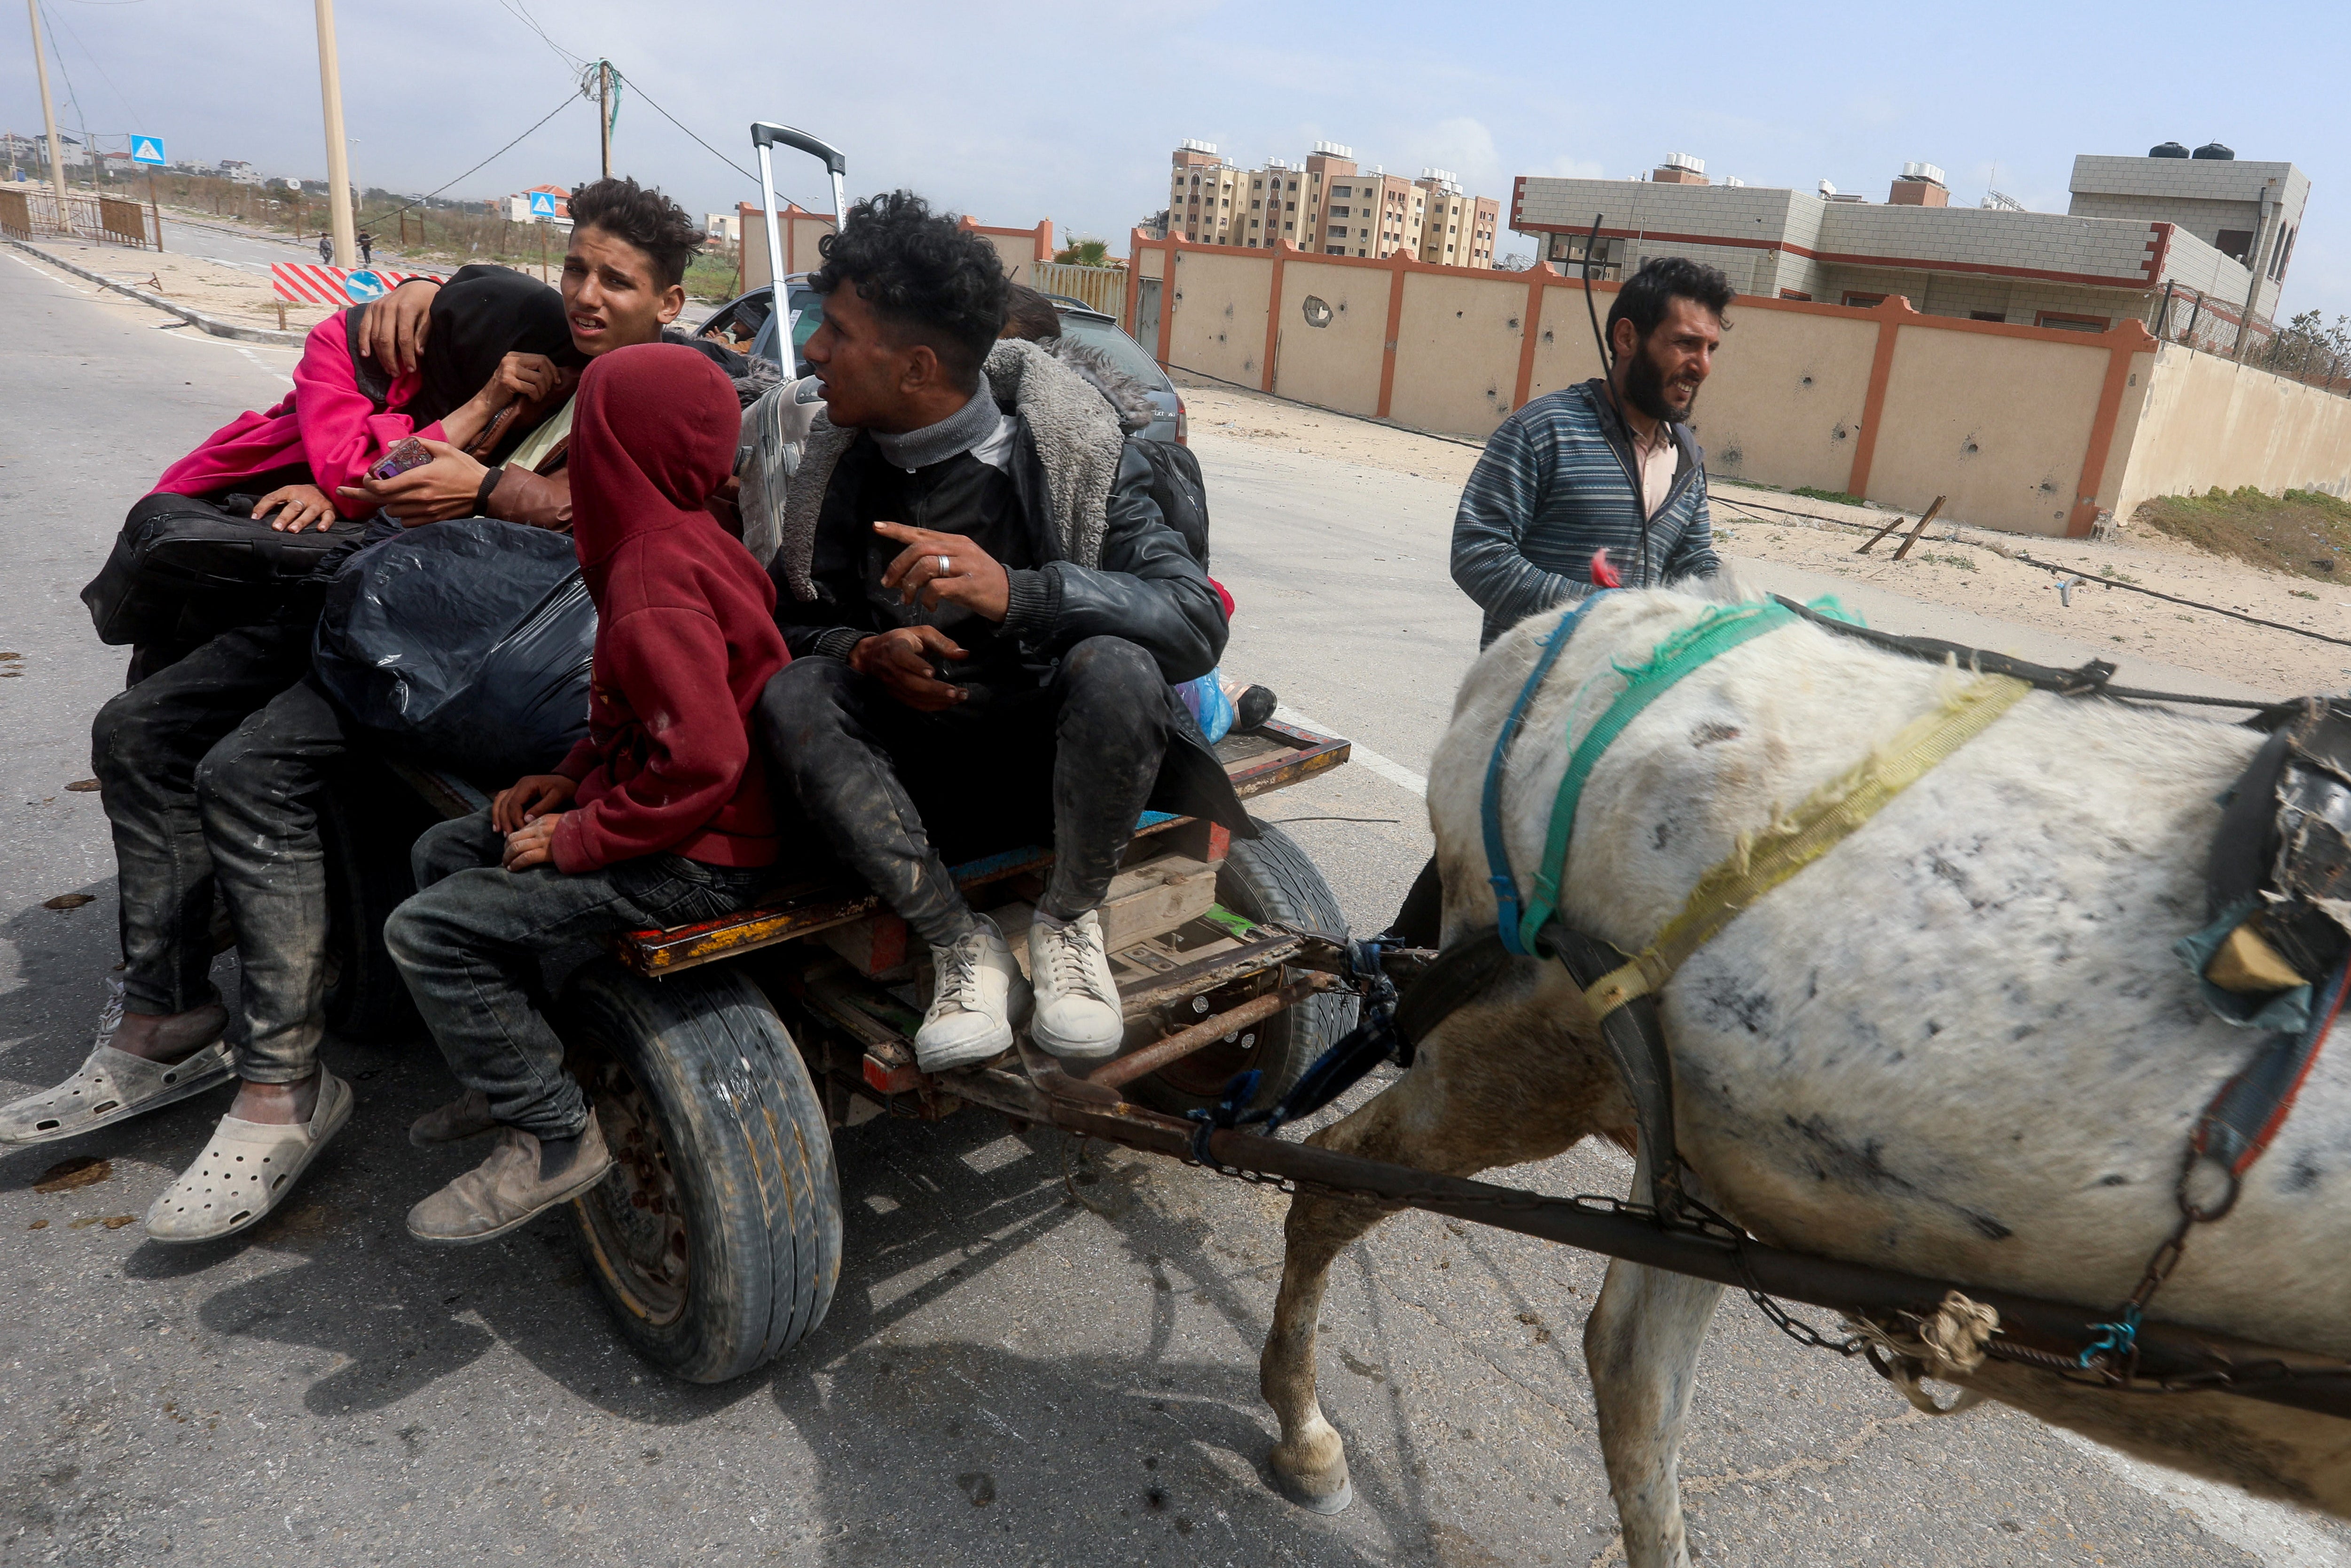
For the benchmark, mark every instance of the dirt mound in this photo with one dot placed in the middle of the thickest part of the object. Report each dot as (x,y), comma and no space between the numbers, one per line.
(2303,533)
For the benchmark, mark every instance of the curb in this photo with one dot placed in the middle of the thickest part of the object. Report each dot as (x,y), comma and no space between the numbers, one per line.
(212,324)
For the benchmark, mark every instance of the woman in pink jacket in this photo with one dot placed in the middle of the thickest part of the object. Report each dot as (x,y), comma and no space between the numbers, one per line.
(499,342)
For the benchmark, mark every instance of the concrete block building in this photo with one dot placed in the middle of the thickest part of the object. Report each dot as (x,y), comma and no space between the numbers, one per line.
(2144,236)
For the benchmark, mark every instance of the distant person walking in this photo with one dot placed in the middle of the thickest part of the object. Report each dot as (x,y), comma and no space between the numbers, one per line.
(367,248)
(326,250)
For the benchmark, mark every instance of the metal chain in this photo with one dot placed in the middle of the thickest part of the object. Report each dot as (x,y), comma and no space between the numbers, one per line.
(1704,1222)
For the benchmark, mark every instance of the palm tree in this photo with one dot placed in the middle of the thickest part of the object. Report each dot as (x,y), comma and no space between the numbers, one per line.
(1086,252)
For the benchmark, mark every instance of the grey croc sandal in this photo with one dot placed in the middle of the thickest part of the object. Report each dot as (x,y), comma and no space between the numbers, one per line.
(246,1170)
(112,1086)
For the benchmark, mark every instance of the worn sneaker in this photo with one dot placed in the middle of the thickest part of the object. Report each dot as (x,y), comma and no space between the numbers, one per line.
(975,994)
(1077,1011)
(509,1190)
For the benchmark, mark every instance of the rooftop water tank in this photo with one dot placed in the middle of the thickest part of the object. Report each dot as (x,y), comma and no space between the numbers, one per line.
(2214,149)
(2168,149)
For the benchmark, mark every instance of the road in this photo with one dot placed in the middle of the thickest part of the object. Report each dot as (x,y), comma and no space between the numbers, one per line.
(1017,1369)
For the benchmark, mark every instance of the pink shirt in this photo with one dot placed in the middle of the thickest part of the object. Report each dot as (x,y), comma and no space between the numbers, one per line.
(326,421)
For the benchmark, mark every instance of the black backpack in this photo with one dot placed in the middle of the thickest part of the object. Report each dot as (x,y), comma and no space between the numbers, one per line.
(185,567)
(1183,498)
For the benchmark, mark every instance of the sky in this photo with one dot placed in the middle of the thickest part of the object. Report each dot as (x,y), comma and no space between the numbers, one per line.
(1017,111)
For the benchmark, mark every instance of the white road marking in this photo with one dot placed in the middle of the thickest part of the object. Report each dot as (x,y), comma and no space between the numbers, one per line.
(1396,773)
(2280,1535)
(52,275)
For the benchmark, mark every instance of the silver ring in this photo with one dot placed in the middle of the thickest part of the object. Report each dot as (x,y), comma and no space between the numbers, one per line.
(946,566)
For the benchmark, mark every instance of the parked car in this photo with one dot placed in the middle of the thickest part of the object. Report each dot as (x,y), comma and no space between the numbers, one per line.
(748,324)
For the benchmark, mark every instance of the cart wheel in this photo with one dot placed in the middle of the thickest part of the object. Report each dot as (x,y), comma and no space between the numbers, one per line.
(366,827)
(1267,878)
(716,1239)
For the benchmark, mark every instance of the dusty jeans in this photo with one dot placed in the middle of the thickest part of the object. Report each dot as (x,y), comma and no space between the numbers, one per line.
(145,747)
(471,941)
(1073,761)
(257,792)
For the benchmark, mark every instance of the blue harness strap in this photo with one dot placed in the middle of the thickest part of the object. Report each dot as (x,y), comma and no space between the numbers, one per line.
(1489,804)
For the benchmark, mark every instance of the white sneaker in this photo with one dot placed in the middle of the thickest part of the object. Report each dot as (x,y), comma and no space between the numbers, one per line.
(1077,1011)
(977,991)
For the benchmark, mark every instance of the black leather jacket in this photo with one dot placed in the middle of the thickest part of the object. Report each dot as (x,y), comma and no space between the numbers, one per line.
(1146,589)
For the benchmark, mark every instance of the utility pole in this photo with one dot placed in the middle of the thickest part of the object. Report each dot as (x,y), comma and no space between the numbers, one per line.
(48,109)
(604,112)
(338,165)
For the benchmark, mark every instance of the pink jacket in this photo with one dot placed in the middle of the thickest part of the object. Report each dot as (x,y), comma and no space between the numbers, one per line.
(326,421)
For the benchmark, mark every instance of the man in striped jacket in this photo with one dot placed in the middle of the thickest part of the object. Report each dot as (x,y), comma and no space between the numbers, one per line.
(1609,465)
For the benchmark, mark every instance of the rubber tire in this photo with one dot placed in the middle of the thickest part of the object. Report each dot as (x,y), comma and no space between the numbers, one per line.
(1271,878)
(366,825)
(750,1147)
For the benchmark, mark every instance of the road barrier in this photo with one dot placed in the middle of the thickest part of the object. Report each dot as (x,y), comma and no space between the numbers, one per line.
(32,213)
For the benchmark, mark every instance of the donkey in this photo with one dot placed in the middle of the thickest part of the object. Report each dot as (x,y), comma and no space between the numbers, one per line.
(1958,1045)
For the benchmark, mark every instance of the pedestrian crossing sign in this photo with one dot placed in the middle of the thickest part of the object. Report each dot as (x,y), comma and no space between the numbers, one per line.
(147,149)
(542,203)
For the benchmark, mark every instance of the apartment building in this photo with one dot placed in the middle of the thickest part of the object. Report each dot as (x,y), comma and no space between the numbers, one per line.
(1459,228)
(2140,232)
(1329,204)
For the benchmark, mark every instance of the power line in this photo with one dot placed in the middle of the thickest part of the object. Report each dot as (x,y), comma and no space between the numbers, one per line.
(568,101)
(94,59)
(682,126)
(515,8)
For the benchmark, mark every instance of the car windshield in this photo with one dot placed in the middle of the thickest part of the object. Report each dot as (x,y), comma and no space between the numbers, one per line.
(1125,352)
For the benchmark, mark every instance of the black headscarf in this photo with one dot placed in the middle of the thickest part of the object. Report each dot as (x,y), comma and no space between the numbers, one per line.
(481,316)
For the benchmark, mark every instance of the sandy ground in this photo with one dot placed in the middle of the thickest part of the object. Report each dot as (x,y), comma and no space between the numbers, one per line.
(221,289)
(1970,569)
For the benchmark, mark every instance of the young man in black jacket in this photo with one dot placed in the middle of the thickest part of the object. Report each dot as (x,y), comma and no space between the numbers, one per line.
(986,610)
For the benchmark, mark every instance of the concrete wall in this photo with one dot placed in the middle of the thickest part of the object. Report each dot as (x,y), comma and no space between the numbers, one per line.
(2209,420)
(1785,402)
(1019,249)
(799,230)
(2036,431)
(2021,429)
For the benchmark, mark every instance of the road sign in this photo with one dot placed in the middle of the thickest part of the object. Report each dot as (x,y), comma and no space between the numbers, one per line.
(542,203)
(335,286)
(147,149)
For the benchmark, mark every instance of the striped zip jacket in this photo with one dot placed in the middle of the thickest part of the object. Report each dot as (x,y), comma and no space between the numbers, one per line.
(1559,482)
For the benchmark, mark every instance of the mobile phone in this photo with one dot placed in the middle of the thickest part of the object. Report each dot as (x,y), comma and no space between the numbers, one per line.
(406,454)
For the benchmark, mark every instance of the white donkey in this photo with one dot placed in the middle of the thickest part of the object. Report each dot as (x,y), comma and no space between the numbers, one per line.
(1958,1045)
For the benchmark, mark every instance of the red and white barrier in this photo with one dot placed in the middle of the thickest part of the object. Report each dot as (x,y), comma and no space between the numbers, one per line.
(336,285)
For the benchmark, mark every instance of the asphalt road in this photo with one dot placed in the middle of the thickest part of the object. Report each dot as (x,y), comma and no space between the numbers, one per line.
(1017,1370)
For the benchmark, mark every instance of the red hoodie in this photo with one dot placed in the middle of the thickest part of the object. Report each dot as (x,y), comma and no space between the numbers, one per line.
(686,628)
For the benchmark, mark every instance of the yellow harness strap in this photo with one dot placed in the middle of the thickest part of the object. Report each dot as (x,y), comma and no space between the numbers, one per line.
(1764,860)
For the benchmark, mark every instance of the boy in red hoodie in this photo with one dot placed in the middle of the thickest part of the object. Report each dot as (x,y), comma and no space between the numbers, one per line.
(659,817)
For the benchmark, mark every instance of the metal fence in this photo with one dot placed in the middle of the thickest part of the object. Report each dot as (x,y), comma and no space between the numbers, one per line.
(36,212)
(2210,326)
(1102,288)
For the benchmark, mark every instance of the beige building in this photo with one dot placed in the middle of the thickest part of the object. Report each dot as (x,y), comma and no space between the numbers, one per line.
(1459,229)
(1329,205)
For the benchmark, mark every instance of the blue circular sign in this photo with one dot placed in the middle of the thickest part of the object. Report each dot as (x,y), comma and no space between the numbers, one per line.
(363,285)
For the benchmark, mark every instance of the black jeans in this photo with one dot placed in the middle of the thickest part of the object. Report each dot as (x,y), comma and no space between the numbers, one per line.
(257,793)
(1073,761)
(146,746)
(471,945)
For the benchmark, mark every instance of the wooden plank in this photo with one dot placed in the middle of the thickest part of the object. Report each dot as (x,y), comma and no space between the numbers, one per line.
(1272,757)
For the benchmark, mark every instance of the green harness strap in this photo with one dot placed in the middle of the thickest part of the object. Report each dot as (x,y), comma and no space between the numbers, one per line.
(1719,632)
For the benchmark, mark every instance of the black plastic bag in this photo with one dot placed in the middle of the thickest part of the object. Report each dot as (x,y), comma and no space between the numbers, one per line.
(184,565)
(466,644)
